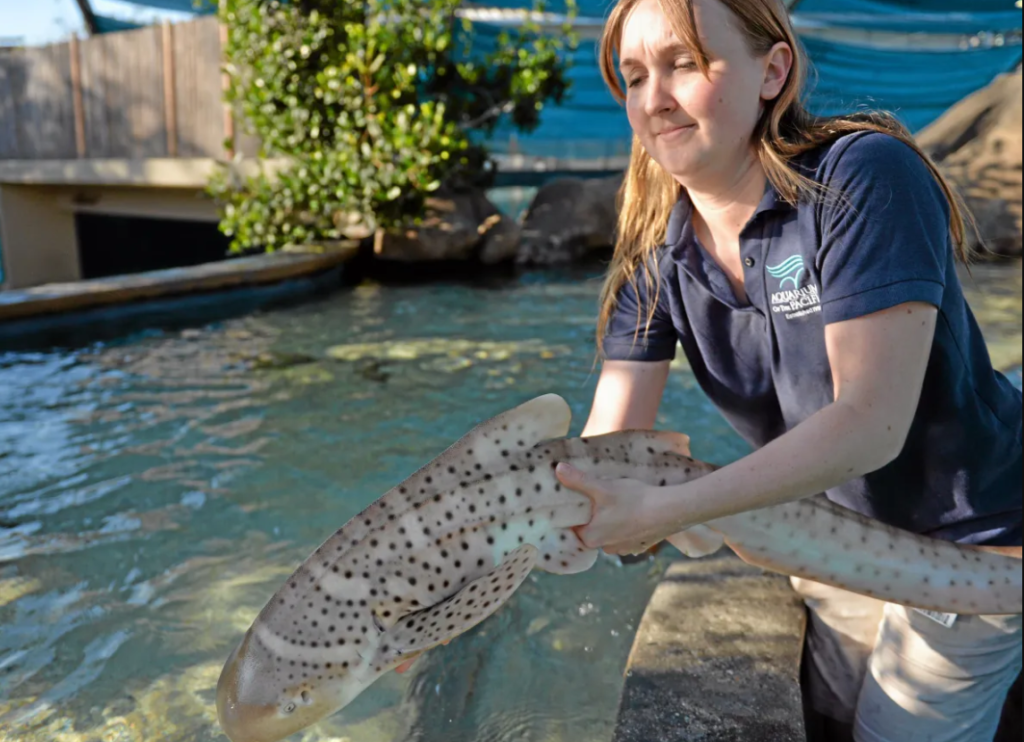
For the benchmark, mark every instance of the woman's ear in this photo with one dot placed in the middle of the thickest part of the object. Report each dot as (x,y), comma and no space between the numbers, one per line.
(778,65)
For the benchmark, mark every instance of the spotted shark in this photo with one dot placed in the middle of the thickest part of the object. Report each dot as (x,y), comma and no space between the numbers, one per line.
(446,548)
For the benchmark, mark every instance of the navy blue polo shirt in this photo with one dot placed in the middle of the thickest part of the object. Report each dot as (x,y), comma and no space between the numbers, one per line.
(763,363)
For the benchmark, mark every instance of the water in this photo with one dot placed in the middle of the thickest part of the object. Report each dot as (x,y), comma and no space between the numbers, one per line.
(155,491)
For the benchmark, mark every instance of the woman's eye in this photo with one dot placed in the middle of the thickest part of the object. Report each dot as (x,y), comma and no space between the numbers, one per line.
(634,82)
(685,64)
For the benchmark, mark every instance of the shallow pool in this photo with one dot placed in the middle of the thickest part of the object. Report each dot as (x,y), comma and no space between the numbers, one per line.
(154,492)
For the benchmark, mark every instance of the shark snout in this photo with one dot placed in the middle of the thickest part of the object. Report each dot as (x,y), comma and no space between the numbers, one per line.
(257,703)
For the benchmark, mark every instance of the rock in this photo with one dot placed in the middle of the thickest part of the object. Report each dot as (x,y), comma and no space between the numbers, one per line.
(977,144)
(568,218)
(456,226)
(501,240)
(271,359)
(716,658)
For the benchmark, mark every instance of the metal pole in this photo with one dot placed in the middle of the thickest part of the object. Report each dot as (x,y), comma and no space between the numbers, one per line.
(88,16)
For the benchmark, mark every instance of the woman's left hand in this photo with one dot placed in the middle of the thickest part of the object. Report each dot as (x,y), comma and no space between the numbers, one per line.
(621,518)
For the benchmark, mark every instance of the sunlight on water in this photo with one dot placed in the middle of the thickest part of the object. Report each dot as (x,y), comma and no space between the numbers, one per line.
(155,491)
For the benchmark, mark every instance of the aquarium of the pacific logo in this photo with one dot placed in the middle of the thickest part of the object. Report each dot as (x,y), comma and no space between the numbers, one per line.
(793,299)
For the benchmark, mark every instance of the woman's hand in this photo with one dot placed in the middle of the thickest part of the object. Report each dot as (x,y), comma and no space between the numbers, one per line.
(621,518)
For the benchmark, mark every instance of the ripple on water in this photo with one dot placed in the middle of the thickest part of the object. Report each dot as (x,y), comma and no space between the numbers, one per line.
(154,493)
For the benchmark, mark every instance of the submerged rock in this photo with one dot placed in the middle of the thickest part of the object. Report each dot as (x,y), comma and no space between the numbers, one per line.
(977,144)
(273,359)
(466,352)
(568,218)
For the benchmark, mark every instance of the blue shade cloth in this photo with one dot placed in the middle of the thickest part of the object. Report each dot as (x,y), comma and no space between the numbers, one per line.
(916,84)
(106,24)
(181,6)
(895,7)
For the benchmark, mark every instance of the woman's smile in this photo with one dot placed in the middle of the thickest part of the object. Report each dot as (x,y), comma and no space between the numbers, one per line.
(674,132)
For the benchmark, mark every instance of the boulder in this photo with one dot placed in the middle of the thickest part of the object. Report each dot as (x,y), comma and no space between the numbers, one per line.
(462,225)
(568,218)
(977,144)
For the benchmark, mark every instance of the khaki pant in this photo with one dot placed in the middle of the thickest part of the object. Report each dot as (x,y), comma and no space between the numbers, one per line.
(879,672)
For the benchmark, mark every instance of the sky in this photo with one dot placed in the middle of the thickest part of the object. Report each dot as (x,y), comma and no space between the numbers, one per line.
(46,21)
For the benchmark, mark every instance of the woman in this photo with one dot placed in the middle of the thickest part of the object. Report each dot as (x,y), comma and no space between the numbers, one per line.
(807,268)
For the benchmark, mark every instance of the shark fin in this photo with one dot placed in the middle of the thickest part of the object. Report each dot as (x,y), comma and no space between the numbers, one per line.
(478,600)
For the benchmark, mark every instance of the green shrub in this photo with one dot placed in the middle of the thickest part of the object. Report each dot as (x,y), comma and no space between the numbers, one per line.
(371,106)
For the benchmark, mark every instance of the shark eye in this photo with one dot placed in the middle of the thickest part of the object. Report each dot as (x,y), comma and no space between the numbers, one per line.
(290,708)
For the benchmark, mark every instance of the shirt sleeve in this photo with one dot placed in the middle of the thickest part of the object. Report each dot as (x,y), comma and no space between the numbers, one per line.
(884,228)
(656,342)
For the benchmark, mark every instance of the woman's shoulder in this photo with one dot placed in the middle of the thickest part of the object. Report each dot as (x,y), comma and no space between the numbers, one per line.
(865,156)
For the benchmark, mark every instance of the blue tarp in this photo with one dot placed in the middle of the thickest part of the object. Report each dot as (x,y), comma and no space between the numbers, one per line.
(106,24)
(915,79)
(181,6)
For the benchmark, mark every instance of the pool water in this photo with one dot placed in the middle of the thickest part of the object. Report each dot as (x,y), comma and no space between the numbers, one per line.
(155,491)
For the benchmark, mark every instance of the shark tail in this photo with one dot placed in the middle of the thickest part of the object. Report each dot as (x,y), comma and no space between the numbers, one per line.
(818,540)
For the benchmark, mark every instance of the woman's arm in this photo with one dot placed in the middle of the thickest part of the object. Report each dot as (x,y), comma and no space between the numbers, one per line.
(878,365)
(627,396)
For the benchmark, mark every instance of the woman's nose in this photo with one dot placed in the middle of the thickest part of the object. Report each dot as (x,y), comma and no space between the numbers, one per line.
(659,98)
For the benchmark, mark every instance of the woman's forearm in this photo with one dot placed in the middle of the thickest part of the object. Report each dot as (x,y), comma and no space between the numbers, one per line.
(835,445)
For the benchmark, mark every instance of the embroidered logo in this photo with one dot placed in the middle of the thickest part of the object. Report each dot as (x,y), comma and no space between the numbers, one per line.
(788,270)
(798,301)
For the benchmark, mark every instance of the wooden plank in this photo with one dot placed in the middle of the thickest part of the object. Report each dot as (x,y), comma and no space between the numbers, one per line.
(145,84)
(229,117)
(12,81)
(170,102)
(45,119)
(79,295)
(198,88)
(124,100)
(98,97)
(76,92)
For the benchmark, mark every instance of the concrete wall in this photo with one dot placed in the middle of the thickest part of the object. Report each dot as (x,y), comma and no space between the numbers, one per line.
(38,238)
(39,201)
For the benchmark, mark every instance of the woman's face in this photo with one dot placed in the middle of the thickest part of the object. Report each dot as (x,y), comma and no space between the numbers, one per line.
(698,129)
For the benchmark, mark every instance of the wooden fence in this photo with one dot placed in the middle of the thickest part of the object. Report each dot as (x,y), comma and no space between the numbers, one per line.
(152,92)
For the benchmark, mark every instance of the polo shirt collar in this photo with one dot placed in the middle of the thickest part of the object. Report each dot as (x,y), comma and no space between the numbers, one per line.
(679,229)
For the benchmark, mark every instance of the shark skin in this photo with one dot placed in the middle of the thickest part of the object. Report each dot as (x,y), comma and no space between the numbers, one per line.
(447,547)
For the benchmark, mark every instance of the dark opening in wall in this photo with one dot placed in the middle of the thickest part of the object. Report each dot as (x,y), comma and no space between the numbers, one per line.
(113,245)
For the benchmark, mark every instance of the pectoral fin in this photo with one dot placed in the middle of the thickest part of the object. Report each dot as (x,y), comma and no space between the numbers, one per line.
(477,601)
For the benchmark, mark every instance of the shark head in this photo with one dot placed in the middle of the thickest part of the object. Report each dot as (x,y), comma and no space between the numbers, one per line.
(271,688)
(258,702)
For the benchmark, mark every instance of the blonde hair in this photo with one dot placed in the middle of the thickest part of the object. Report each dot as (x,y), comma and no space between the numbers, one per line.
(785,131)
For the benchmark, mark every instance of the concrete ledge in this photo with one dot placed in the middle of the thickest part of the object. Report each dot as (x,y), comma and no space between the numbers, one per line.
(716,658)
(158,172)
(78,295)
